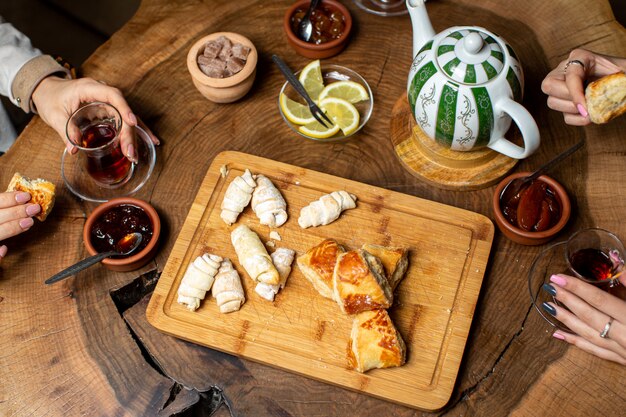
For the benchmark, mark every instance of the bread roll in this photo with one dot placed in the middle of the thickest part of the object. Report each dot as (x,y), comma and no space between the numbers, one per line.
(606,98)
(41,191)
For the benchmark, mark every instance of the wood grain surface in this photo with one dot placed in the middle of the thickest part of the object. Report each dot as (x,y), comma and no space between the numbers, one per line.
(307,334)
(66,349)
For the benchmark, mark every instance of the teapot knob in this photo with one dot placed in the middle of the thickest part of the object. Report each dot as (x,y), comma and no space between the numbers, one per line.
(473,43)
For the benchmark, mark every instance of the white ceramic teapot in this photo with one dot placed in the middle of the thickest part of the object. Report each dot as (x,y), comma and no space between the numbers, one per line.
(464,87)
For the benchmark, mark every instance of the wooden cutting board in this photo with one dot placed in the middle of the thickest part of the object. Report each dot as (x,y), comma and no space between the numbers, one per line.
(305,333)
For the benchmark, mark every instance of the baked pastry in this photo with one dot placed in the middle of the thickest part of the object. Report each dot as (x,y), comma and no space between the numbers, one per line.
(227,288)
(42,192)
(282,259)
(375,342)
(606,98)
(395,261)
(318,264)
(360,284)
(198,280)
(237,197)
(327,209)
(268,203)
(253,256)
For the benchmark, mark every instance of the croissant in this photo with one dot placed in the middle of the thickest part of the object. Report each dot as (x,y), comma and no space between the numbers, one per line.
(253,255)
(282,258)
(227,288)
(268,203)
(237,197)
(327,209)
(197,280)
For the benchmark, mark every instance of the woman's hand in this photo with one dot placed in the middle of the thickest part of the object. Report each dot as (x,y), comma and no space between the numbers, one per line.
(589,310)
(565,84)
(15,215)
(56,99)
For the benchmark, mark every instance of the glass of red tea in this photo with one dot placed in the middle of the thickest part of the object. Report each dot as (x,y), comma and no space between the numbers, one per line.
(95,130)
(595,256)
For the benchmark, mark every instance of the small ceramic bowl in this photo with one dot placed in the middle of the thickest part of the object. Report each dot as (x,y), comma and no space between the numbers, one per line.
(137,260)
(310,49)
(522,236)
(223,90)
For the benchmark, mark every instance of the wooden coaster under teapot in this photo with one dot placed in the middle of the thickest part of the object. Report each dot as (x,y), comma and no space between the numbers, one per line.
(438,165)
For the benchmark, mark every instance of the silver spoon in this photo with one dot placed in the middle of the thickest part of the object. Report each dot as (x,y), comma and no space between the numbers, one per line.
(515,186)
(305,28)
(124,246)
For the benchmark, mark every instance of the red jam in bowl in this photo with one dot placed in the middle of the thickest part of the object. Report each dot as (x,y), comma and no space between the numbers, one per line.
(116,223)
(328,24)
(534,208)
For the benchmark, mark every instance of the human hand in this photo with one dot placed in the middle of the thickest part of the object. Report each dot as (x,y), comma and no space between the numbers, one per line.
(15,215)
(57,98)
(565,88)
(588,311)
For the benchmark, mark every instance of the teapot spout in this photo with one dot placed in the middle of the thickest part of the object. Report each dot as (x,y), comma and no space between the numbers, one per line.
(422,28)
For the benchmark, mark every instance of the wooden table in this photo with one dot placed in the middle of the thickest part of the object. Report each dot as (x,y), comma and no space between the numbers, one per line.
(84,347)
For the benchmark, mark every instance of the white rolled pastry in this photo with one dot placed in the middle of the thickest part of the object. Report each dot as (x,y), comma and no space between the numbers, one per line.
(227,288)
(253,255)
(327,209)
(237,197)
(197,280)
(282,258)
(268,203)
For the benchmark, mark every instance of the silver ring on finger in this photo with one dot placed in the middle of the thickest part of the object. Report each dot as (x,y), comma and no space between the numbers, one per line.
(605,332)
(572,62)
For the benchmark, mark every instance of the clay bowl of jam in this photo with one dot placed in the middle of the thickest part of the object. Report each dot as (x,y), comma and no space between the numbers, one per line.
(535,214)
(331,28)
(112,220)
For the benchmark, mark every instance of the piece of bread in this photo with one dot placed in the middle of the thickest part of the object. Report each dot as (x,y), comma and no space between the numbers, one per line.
(375,342)
(318,264)
(360,284)
(606,98)
(41,192)
(395,261)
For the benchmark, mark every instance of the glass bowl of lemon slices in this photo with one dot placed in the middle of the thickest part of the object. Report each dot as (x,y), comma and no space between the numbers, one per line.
(340,92)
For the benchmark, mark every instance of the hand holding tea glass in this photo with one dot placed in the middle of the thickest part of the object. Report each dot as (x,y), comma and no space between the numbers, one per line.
(591,304)
(57,98)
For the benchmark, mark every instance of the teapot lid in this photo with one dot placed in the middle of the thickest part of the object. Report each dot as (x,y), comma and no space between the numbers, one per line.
(470,56)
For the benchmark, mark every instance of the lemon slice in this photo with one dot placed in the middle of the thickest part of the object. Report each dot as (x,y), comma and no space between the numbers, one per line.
(317,130)
(295,112)
(344,114)
(347,90)
(311,79)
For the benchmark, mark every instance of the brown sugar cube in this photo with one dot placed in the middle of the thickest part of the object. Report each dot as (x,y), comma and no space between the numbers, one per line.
(240,51)
(214,68)
(226,48)
(212,48)
(234,65)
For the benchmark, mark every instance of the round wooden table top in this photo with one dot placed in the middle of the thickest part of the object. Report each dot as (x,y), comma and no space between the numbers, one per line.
(84,347)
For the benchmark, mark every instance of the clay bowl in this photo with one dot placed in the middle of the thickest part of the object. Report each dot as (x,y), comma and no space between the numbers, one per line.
(223,90)
(137,260)
(522,236)
(309,49)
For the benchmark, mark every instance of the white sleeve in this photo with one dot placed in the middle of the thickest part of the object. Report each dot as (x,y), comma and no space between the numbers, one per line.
(15,51)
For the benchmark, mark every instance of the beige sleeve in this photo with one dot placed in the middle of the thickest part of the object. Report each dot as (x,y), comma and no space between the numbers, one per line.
(29,77)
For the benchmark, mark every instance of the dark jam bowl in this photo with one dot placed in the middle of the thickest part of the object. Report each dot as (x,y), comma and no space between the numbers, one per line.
(325,49)
(522,236)
(138,259)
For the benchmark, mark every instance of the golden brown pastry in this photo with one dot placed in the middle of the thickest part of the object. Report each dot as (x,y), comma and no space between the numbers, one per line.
(395,261)
(360,284)
(375,342)
(318,264)
(42,192)
(606,98)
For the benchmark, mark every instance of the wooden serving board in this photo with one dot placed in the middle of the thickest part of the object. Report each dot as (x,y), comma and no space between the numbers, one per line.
(305,333)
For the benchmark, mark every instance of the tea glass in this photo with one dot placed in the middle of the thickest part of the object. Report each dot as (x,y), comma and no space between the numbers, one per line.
(383,7)
(595,256)
(95,130)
